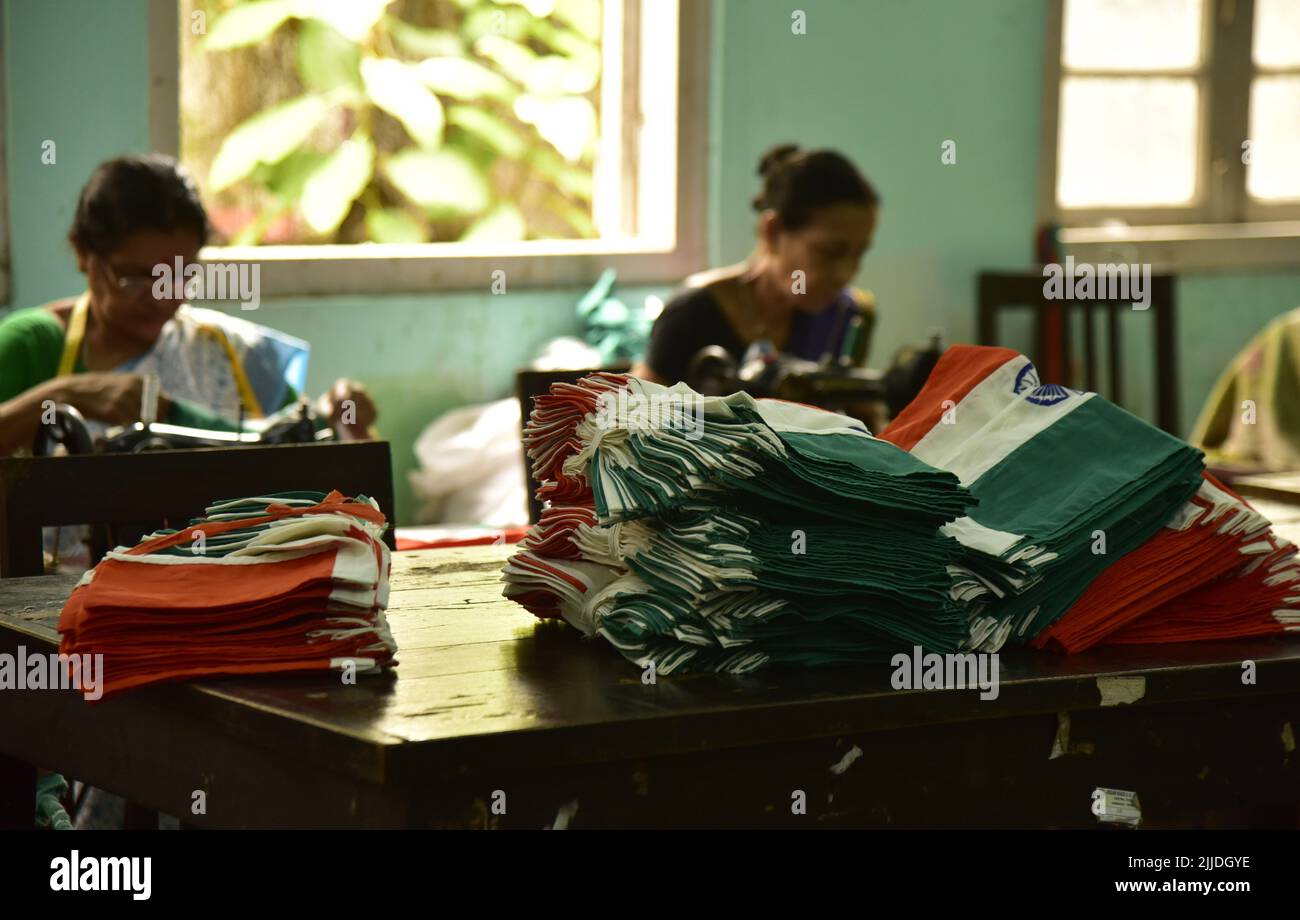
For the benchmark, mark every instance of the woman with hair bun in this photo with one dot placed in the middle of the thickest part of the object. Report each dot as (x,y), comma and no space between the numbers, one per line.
(817,215)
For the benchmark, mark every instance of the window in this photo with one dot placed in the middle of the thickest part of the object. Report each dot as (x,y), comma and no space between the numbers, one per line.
(412,145)
(1173,127)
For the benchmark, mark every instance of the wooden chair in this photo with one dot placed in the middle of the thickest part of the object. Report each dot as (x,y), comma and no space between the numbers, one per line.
(170,486)
(1000,290)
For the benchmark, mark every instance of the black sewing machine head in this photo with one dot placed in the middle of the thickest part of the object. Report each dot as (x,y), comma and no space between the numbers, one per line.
(828,384)
(67,429)
(292,425)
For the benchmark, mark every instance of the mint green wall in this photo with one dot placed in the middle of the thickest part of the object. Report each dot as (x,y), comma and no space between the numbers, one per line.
(883,80)
(76,74)
(1219,314)
(420,355)
(887,83)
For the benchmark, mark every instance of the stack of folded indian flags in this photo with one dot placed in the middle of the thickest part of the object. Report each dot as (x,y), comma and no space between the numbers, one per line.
(1129,540)
(285,582)
(728,533)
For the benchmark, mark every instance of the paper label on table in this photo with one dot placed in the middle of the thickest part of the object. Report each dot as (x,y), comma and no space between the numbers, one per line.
(1116,806)
(1117,690)
(564,816)
(847,760)
(1061,743)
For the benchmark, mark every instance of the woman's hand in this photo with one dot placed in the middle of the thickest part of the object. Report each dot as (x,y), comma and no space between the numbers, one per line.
(106,396)
(349,408)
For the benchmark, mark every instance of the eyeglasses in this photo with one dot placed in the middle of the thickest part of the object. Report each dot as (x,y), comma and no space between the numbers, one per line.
(135,285)
(132,284)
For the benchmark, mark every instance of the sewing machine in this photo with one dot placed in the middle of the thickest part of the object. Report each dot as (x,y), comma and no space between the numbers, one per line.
(292,425)
(832,383)
(125,455)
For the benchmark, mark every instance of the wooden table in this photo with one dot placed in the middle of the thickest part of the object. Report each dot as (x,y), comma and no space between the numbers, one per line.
(1279,489)
(490,707)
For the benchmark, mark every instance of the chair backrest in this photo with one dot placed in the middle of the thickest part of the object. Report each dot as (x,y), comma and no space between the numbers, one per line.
(171,486)
(1053,346)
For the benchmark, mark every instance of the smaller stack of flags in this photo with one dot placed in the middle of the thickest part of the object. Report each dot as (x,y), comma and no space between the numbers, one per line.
(286,582)
(1216,571)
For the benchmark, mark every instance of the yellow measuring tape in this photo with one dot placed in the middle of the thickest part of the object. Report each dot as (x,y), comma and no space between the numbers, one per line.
(77,333)
(252,407)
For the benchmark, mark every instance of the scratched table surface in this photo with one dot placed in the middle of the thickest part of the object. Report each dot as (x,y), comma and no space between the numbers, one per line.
(484,689)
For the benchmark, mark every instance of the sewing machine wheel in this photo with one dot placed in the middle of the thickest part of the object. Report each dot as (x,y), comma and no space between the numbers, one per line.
(713,372)
(67,429)
(150,443)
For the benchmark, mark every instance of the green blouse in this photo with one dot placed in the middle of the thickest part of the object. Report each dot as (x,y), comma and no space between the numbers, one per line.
(31,345)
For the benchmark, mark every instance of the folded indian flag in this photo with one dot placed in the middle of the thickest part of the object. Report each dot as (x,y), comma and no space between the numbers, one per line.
(285,582)
(1067,482)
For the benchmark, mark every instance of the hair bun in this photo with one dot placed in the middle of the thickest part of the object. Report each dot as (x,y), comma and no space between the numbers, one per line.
(775,158)
(798,182)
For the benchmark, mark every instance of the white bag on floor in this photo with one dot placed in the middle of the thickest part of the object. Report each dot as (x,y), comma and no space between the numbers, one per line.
(472,467)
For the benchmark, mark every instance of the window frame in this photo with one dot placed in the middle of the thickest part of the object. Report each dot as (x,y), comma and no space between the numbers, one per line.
(1254,209)
(5,292)
(1222,227)
(372,268)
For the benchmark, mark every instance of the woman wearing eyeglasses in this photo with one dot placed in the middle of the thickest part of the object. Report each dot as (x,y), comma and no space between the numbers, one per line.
(95,351)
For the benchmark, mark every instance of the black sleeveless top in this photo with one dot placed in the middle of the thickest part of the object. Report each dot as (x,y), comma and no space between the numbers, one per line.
(694,319)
